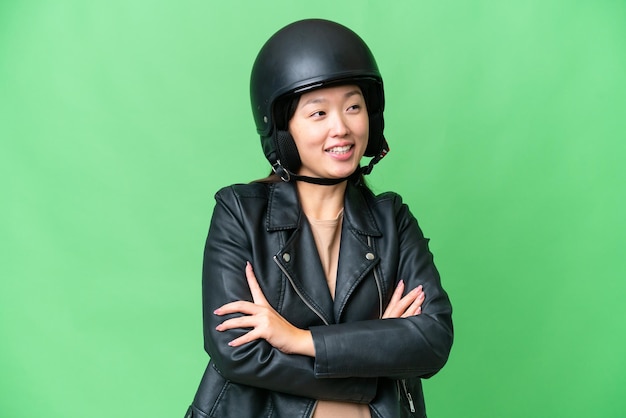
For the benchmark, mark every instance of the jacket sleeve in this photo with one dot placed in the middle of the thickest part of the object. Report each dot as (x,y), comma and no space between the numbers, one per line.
(417,346)
(228,246)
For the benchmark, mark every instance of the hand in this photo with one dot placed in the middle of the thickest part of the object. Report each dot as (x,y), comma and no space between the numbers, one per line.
(265,322)
(409,305)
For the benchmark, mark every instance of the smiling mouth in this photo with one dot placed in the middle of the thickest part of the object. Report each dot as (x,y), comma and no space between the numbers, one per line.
(340,150)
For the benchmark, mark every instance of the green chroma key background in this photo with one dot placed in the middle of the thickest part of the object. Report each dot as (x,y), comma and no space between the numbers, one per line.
(119,120)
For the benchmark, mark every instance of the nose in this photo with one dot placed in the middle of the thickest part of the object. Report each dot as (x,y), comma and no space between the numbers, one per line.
(339,126)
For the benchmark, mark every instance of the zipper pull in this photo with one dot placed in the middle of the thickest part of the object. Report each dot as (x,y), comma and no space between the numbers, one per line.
(411,404)
(408,396)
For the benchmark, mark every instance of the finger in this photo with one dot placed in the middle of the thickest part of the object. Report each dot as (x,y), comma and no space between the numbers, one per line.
(401,306)
(240,306)
(390,312)
(257,294)
(397,294)
(244,339)
(404,304)
(416,307)
(409,298)
(238,322)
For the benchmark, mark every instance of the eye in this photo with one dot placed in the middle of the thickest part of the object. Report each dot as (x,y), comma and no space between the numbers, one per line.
(318,114)
(354,108)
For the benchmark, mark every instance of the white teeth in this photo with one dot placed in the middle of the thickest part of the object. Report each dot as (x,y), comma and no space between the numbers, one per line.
(339,150)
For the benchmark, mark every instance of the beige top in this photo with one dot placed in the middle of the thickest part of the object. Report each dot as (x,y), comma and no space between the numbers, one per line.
(327,234)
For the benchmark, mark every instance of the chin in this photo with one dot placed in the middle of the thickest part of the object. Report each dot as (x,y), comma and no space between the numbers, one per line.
(343,173)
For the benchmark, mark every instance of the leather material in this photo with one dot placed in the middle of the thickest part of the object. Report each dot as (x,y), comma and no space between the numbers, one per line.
(359,357)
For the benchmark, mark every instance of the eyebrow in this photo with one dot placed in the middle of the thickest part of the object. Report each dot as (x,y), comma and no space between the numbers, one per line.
(316,100)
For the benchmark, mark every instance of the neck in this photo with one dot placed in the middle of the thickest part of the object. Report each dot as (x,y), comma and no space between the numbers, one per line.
(321,202)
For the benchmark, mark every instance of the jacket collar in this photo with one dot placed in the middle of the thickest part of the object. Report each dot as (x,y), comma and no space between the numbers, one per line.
(357,257)
(283,199)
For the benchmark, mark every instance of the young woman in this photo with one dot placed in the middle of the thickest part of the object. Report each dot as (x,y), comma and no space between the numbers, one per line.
(320,298)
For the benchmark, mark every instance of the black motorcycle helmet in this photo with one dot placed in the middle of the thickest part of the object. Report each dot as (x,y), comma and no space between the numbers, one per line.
(304,56)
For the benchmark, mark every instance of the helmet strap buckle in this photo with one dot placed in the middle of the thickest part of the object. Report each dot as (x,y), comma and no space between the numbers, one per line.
(281,171)
(368,168)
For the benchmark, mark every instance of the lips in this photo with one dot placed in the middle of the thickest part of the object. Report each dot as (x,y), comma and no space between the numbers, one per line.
(340,150)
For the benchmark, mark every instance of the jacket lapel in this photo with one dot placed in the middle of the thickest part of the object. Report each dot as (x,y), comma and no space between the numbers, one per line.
(357,257)
(298,258)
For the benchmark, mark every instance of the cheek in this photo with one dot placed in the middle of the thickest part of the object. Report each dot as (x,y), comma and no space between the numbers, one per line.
(366,131)
(363,130)
(306,135)
(303,141)
(297,133)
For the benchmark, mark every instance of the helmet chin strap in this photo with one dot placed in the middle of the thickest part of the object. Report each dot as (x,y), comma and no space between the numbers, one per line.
(368,168)
(320,181)
(287,175)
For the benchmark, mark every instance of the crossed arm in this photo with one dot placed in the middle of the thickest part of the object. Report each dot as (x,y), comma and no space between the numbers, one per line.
(265,323)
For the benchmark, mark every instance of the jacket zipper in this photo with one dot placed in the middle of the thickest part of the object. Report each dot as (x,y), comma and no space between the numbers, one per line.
(311,307)
(306,303)
(380,304)
(378,286)
(380,310)
(313,410)
(408,395)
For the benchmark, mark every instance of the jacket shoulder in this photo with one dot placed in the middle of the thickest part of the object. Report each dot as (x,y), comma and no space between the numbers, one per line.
(383,199)
(242,191)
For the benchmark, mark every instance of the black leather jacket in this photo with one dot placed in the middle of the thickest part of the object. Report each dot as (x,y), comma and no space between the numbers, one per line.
(359,357)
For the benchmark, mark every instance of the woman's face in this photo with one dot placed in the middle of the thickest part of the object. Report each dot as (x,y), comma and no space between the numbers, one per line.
(330,128)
